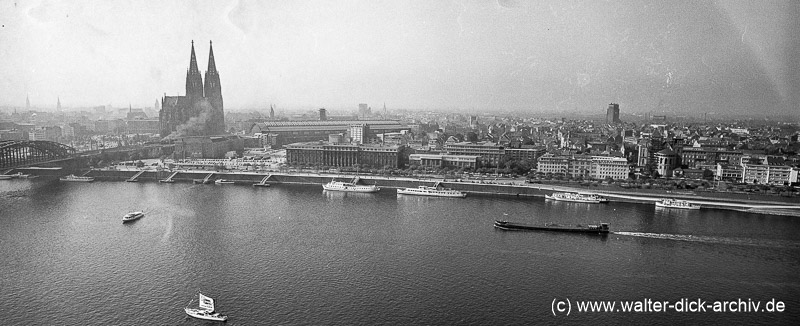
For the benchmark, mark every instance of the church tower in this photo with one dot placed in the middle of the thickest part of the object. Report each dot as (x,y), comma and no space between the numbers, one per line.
(194,82)
(213,93)
(202,101)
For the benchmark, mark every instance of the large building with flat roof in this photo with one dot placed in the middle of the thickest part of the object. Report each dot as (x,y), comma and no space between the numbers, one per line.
(279,133)
(345,155)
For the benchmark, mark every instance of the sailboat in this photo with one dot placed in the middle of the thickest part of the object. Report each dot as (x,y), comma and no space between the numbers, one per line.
(205,310)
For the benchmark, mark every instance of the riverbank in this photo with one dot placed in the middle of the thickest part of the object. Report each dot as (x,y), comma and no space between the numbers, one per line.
(469,186)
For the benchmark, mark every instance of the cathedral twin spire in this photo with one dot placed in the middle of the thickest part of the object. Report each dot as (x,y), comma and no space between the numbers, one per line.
(194,81)
(202,101)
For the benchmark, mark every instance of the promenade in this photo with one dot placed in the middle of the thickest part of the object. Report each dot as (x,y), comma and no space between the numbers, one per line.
(509,187)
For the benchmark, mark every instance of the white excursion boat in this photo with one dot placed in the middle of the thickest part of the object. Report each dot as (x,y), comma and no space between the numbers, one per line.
(76,178)
(222,181)
(132,216)
(349,186)
(20,175)
(577,198)
(205,310)
(675,203)
(432,191)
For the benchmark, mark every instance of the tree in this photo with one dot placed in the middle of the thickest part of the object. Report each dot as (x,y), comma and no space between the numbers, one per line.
(708,174)
(472,137)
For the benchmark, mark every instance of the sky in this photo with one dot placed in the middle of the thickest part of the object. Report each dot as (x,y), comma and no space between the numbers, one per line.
(478,56)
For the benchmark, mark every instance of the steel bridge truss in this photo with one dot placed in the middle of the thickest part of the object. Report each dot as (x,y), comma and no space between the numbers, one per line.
(17,153)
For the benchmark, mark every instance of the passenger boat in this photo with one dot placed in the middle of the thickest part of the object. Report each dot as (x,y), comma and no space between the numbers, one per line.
(601,228)
(166,181)
(222,181)
(675,203)
(349,186)
(205,309)
(432,191)
(576,197)
(132,216)
(76,178)
(595,196)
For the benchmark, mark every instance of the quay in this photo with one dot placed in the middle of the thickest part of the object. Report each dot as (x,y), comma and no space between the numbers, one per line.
(517,188)
(474,187)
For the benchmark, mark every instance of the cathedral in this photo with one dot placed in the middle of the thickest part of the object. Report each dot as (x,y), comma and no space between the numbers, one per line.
(199,112)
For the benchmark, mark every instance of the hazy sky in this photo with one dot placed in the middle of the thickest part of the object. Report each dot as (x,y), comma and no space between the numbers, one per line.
(649,56)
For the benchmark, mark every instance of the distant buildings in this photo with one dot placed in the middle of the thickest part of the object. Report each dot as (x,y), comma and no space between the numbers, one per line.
(200,111)
(364,110)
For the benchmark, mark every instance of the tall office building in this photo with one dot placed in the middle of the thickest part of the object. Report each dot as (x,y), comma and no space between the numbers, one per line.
(612,115)
(364,110)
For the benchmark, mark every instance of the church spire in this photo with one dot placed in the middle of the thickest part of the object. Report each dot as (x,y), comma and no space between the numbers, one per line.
(212,66)
(194,82)
(213,93)
(193,62)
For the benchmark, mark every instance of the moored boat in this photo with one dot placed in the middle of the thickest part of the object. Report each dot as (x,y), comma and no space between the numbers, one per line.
(675,203)
(349,186)
(576,198)
(222,181)
(76,178)
(132,216)
(6,177)
(601,228)
(205,309)
(20,175)
(601,199)
(432,191)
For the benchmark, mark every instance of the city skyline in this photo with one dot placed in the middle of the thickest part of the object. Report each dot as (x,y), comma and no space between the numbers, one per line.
(723,57)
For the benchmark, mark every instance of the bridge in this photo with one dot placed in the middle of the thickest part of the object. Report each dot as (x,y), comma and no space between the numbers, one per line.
(19,153)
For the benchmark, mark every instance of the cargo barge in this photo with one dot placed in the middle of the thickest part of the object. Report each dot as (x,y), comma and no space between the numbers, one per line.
(601,228)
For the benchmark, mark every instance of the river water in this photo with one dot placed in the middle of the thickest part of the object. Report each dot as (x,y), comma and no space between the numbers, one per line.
(298,255)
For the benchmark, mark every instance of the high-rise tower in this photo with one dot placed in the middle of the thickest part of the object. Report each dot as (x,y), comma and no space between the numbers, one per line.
(612,114)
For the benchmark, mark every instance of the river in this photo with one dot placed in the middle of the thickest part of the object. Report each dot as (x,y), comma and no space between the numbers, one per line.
(298,255)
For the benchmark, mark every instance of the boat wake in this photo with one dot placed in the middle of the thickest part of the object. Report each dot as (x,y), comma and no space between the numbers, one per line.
(768,243)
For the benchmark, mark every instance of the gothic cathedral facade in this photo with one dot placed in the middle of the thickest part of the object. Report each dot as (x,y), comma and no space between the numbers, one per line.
(199,112)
